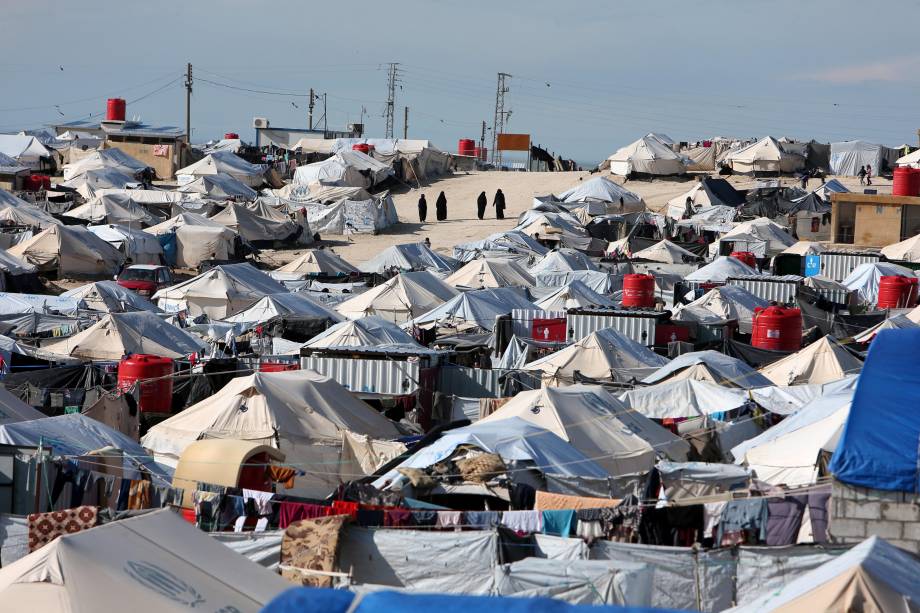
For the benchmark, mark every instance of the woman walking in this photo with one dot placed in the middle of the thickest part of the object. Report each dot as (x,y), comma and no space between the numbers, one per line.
(441,207)
(422,209)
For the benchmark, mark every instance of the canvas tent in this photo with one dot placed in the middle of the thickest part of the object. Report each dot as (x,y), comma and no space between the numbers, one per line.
(13,410)
(119,334)
(351,215)
(602,189)
(301,413)
(505,244)
(198,239)
(16,211)
(136,245)
(722,303)
(711,366)
(849,156)
(365,332)
(105,159)
(315,262)
(763,237)
(219,187)
(92,182)
(408,257)
(706,193)
(683,399)
(907,250)
(597,424)
(69,251)
(344,169)
(227,163)
(256,228)
(117,208)
(898,322)
(720,269)
(865,278)
(153,563)
(476,308)
(274,305)
(405,296)
(648,156)
(574,295)
(605,354)
(665,252)
(218,292)
(766,155)
(562,260)
(110,297)
(821,362)
(491,272)
(25,150)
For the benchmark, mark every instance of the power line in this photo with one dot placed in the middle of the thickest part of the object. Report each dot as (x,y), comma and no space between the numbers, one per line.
(498,122)
(392,80)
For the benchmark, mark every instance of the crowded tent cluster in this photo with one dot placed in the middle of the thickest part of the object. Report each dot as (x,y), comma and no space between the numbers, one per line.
(603,404)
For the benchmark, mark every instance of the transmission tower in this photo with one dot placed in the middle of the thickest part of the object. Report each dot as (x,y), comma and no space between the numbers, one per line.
(498,124)
(392,80)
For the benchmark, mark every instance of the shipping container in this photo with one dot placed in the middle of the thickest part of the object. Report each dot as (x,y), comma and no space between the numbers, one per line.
(367,376)
(779,289)
(639,324)
(838,265)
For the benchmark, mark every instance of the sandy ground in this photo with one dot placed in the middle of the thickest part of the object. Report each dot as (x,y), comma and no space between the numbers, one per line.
(462,226)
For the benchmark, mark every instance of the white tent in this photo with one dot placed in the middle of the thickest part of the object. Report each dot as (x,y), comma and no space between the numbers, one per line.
(593,421)
(153,563)
(26,150)
(763,237)
(720,269)
(254,228)
(105,159)
(110,297)
(665,252)
(873,576)
(562,260)
(911,159)
(315,262)
(197,239)
(69,251)
(116,209)
(92,182)
(706,193)
(273,305)
(605,354)
(476,308)
(766,155)
(219,187)
(16,211)
(683,399)
(804,248)
(849,156)
(865,278)
(574,295)
(227,163)
(136,245)
(365,332)
(821,362)
(648,155)
(898,322)
(788,453)
(907,250)
(344,169)
(120,334)
(603,189)
(722,303)
(301,413)
(218,292)
(408,257)
(491,272)
(710,366)
(506,244)
(405,296)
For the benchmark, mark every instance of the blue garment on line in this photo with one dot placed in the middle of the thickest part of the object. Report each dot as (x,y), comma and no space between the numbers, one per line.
(559,523)
(481,519)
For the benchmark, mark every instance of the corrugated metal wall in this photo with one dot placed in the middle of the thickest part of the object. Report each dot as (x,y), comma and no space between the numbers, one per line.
(639,329)
(782,291)
(522,320)
(391,377)
(477,382)
(838,266)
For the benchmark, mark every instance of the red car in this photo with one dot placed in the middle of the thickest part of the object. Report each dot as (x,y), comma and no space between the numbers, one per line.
(145,279)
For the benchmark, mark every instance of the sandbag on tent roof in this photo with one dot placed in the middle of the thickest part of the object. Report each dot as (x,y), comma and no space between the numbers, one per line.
(114,209)
(720,269)
(873,576)
(865,278)
(593,421)
(316,262)
(119,334)
(69,251)
(604,354)
(848,157)
(220,291)
(105,159)
(574,295)
(514,440)
(405,296)
(476,308)
(197,239)
(491,272)
(286,303)
(710,366)
(408,257)
(683,398)
(788,453)
(766,155)
(136,245)
(344,169)
(665,252)
(603,190)
(110,297)
(365,332)
(706,193)
(512,242)
(218,186)
(821,362)
(156,562)
(722,303)
(26,150)
(648,156)
(255,228)
(301,413)
(562,260)
(907,250)
(227,163)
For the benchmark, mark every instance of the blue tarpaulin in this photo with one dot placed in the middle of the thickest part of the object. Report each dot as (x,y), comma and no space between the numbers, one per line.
(299,600)
(879,445)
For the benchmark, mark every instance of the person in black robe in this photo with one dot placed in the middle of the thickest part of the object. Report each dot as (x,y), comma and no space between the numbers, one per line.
(441,207)
(422,209)
(481,203)
(499,204)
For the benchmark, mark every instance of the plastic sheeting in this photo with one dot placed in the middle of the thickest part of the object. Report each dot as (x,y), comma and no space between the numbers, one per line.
(263,548)
(219,291)
(478,307)
(647,155)
(224,162)
(407,295)
(584,582)
(849,156)
(722,303)
(684,398)
(728,370)
(562,260)
(602,189)
(720,270)
(409,257)
(574,295)
(110,297)
(865,279)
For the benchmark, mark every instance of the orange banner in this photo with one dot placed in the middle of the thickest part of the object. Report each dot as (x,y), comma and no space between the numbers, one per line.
(514,142)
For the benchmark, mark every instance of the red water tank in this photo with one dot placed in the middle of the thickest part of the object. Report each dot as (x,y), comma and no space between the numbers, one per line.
(156,383)
(745,256)
(915,181)
(32,183)
(46,181)
(231,136)
(278,366)
(363,148)
(777,328)
(466,146)
(894,291)
(115,109)
(903,182)
(639,291)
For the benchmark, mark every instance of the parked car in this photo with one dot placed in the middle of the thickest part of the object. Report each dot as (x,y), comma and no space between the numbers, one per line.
(145,279)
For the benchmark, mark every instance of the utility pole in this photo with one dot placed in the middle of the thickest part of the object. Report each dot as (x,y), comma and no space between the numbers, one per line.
(405,122)
(498,123)
(310,114)
(482,138)
(325,117)
(188,103)
(392,80)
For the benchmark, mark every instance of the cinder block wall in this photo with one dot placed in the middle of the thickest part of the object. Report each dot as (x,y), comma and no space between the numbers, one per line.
(857,513)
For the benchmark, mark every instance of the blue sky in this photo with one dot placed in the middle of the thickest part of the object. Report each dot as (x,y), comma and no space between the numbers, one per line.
(588,77)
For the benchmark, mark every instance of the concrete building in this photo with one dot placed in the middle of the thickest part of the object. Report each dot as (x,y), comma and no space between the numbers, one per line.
(873,220)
